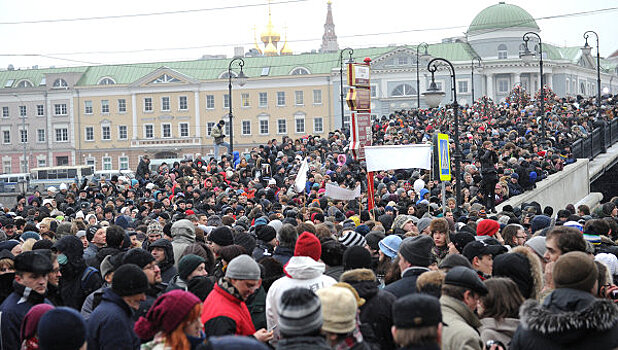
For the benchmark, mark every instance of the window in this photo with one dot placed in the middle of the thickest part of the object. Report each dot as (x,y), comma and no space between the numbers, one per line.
(226,101)
(265,71)
(6,166)
(164,79)
(107,163)
(263,99)
(244,100)
(60,109)
(60,83)
(182,103)
(300,71)
(300,124)
(184,129)
(503,86)
(280,98)
(122,105)
(462,86)
(22,111)
(346,121)
(282,127)
(106,133)
(209,127)
(9,83)
(40,135)
(165,103)
(123,163)
(122,132)
(41,163)
(91,161)
(88,107)
(104,106)
(24,84)
(317,97)
(6,136)
(318,125)
(374,91)
(210,101)
(23,136)
(166,130)
(89,133)
(149,131)
(299,98)
(147,104)
(40,110)
(5,112)
(263,126)
(246,127)
(402,60)
(62,135)
(502,52)
(43,81)
(404,90)
(107,81)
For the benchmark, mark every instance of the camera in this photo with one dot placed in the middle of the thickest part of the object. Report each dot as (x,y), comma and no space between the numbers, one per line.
(491,342)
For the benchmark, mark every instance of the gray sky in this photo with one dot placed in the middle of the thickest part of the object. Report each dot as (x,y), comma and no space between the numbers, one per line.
(157,38)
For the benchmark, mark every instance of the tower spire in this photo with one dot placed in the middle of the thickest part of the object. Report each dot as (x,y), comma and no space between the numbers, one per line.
(329,39)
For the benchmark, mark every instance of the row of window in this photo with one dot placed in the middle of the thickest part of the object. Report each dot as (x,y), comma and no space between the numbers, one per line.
(60,135)
(60,109)
(166,131)
(282,126)
(106,162)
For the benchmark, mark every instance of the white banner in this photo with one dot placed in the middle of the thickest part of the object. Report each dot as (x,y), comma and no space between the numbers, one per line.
(336,192)
(398,157)
(301,178)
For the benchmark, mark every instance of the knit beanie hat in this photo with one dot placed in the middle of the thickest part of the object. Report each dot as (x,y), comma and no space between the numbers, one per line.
(167,312)
(222,236)
(265,233)
(128,280)
(592,237)
(245,240)
(53,330)
(539,222)
(575,270)
(309,245)
(390,245)
(487,227)
(352,238)
(139,257)
(356,257)
(516,267)
(422,224)
(373,238)
(31,320)
(339,309)
(188,264)
(154,227)
(417,250)
(299,312)
(243,267)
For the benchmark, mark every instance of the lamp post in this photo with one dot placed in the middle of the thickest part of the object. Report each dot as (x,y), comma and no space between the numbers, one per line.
(350,60)
(478,59)
(528,56)
(433,96)
(418,83)
(241,78)
(586,50)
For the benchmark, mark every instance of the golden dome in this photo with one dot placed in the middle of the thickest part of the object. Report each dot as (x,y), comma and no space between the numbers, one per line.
(270,34)
(270,49)
(285,49)
(257,47)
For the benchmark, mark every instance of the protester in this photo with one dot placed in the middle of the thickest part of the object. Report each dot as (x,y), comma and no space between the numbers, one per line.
(62,328)
(28,333)
(339,309)
(500,310)
(300,320)
(415,255)
(163,253)
(417,322)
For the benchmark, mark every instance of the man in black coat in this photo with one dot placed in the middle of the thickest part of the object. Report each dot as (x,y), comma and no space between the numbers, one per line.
(144,260)
(163,253)
(489,158)
(414,257)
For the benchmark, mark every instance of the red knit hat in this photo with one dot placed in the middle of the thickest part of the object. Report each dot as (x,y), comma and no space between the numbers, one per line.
(487,227)
(167,312)
(309,245)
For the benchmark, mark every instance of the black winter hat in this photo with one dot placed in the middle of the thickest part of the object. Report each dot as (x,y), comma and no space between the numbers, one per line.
(128,280)
(266,233)
(373,238)
(516,267)
(466,278)
(416,310)
(33,261)
(139,257)
(461,239)
(417,250)
(222,236)
(188,264)
(356,257)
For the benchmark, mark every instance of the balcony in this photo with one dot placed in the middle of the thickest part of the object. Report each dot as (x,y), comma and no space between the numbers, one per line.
(182,141)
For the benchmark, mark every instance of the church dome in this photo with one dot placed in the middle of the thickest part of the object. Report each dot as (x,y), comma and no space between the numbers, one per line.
(502,16)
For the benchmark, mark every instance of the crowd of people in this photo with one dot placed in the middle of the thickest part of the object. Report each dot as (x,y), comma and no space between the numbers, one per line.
(227,253)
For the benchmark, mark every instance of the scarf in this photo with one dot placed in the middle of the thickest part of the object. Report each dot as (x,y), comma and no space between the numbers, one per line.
(28,294)
(225,284)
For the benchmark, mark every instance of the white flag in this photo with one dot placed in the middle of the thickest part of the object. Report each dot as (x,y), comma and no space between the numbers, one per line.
(301,178)
(336,192)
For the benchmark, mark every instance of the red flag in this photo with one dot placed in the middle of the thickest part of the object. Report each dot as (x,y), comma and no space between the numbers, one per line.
(370,191)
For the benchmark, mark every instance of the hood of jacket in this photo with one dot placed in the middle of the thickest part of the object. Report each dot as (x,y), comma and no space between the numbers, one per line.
(169,252)
(363,280)
(568,315)
(304,268)
(183,231)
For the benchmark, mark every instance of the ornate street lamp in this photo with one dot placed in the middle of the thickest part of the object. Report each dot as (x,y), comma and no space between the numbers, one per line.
(586,51)
(528,56)
(241,80)
(418,84)
(350,60)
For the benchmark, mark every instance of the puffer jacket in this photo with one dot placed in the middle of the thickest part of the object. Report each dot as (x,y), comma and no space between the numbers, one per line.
(110,325)
(168,270)
(183,235)
(567,319)
(301,271)
(461,332)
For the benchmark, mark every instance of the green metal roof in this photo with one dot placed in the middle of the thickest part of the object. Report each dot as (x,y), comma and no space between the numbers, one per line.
(455,52)
(502,16)
(33,75)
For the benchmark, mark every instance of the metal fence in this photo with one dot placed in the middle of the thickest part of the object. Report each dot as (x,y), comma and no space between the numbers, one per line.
(597,142)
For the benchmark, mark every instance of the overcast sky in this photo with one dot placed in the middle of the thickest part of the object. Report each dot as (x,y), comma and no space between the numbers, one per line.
(189,35)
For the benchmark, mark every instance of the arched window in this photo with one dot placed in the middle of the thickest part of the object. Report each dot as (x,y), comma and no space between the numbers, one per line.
(164,79)
(60,83)
(502,52)
(226,75)
(300,71)
(24,84)
(106,81)
(404,90)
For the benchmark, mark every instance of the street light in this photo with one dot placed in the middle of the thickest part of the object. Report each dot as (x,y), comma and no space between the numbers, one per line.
(350,60)
(241,79)
(586,50)
(433,97)
(528,56)
(472,67)
(418,84)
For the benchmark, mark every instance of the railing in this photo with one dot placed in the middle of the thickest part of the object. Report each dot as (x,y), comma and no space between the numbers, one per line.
(597,142)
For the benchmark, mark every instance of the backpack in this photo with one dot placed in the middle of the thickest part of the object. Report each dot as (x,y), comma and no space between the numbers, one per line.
(88,272)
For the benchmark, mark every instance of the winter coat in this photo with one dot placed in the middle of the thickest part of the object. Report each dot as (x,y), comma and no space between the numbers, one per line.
(567,319)
(12,312)
(200,286)
(183,235)
(407,284)
(283,254)
(151,295)
(226,314)
(92,301)
(90,252)
(256,303)
(262,250)
(110,325)
(500,330)
(303,343)
(301,271)
(461,332)
(142,169)
(168,270)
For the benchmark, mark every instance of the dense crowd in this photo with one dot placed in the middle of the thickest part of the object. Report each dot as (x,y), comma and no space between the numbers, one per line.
(227,253)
